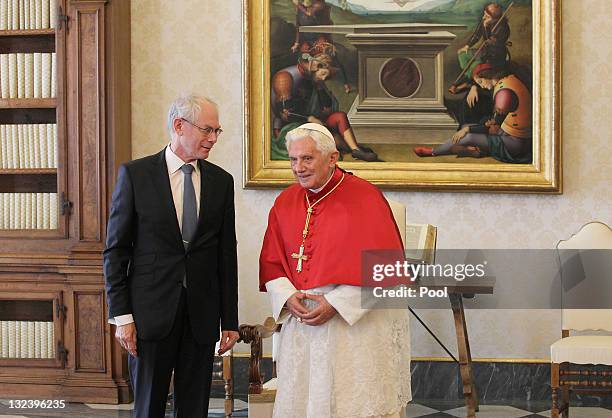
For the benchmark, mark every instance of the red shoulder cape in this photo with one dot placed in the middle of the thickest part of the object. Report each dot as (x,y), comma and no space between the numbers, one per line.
(353,218)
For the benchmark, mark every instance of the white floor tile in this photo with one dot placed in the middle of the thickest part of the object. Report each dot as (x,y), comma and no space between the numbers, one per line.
(584,412)
(416,410)
(120,407)
(218,403)
(491,411)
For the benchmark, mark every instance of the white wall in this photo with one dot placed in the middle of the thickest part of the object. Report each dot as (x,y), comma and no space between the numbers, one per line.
(195,45)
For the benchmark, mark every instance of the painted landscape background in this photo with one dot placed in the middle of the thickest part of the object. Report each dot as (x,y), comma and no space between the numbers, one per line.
(464,12)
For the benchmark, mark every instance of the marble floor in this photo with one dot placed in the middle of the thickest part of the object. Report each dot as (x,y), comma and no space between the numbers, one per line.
(422,409)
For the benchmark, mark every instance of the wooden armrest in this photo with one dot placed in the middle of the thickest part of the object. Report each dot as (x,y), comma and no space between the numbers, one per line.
(254,335)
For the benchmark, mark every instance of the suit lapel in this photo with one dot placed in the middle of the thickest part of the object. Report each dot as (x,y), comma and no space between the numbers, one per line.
(165,195)
(205,194)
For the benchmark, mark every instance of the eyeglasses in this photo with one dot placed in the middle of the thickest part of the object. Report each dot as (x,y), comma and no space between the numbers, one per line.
(207,131)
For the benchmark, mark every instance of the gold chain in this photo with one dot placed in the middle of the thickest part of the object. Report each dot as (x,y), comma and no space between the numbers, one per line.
(300,256)
(309,210)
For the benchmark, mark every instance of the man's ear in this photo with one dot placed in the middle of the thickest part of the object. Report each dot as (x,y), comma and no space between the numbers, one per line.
(177,124)
(334,157)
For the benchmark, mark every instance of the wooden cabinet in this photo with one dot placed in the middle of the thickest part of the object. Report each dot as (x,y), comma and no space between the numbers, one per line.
(51,279)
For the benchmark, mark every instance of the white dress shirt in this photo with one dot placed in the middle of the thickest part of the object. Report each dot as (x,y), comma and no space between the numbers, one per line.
(177,180)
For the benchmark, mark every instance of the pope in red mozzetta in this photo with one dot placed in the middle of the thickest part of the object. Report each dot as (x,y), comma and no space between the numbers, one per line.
(335,357)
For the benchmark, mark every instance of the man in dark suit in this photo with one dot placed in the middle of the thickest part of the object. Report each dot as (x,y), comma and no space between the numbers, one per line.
(170,264)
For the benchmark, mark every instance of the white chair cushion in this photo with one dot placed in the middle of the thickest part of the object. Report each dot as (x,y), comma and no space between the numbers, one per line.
(583,349)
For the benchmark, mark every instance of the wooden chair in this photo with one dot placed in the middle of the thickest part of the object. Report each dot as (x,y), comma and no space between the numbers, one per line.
(399,215)
(571,353)
(261,395)
(254,335)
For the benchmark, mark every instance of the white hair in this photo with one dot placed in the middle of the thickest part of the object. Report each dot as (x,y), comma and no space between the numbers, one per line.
(324,143)
(186,106)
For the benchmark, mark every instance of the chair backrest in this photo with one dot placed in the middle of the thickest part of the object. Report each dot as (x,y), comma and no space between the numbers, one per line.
(399,214)
(592,236)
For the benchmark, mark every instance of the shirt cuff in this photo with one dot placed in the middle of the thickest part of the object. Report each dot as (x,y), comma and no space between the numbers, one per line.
(279,290)
(347,301)
(121,320)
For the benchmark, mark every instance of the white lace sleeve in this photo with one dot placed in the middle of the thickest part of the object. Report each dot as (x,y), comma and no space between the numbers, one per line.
(346,300)
(279,290)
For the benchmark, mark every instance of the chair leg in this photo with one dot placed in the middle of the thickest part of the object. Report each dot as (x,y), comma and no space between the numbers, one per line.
(565,392)
(554,385)
(229,385)
(565,404)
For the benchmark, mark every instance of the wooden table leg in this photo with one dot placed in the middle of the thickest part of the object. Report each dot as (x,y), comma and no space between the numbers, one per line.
(465,357)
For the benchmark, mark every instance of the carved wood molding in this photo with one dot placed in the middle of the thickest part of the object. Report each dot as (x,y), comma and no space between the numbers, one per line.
(89,315)
(87,23)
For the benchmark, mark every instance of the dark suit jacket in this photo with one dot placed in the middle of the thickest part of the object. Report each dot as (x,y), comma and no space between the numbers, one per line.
(145,260)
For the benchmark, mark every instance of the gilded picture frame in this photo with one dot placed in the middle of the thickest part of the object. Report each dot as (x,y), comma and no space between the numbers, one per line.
(542,175)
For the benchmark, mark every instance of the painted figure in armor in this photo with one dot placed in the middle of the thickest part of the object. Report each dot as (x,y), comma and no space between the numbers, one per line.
(507,135)
(299,94)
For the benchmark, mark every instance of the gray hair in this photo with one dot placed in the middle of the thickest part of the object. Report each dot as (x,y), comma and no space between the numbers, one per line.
(186,106)
(324,143)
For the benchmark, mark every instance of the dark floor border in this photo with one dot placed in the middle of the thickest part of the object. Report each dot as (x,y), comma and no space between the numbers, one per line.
(440,381)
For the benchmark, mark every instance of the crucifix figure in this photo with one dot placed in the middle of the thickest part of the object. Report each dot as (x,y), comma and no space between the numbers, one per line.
(300,257)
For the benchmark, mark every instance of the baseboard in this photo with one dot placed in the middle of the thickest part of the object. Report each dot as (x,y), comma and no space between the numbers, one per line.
(439,380)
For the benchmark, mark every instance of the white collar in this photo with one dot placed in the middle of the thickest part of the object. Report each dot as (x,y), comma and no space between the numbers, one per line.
(328,180)
(174,162)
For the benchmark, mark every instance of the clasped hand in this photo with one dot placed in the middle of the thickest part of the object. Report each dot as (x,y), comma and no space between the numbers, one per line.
(317,316)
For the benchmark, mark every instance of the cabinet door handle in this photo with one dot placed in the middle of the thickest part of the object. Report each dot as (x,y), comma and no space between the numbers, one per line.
(62,353)
(66,205)
(60,309)
(61,17)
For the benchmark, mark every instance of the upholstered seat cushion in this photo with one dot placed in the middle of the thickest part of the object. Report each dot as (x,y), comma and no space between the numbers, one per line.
(583,349)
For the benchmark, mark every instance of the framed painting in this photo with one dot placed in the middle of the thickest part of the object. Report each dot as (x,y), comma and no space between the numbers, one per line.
(457,95)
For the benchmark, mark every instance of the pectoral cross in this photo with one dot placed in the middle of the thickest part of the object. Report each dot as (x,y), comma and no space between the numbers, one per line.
(300,257)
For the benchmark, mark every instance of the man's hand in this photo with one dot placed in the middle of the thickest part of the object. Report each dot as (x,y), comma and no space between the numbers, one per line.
(460,134)
(493,126)
(285,115)
(126,335)
(458,88)
(322,313)
(472,97)
(494,129)
(228,339)
(463,49)
(295,306)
